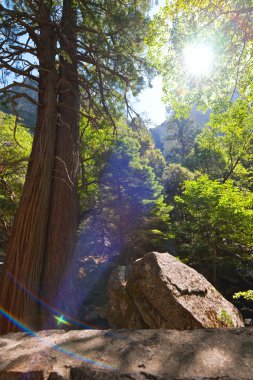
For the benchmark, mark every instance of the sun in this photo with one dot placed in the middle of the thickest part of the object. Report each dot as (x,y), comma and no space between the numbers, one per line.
(198,59)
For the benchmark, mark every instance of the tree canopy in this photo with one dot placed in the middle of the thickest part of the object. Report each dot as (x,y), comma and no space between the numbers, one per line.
(223,26)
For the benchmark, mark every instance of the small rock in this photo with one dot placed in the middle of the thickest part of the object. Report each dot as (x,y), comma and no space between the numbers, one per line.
(248,322)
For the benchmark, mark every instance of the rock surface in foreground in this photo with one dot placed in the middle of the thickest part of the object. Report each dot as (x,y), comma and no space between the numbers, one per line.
(162,292)
(123,355)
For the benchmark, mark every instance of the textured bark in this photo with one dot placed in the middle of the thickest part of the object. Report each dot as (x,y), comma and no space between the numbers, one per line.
(62,223)
(23,266)
(39,257)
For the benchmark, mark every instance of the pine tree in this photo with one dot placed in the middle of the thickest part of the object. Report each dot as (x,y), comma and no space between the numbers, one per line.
(128,207)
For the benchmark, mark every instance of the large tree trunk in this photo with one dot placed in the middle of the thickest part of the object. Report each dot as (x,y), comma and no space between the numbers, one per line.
(62,226)
(20,281)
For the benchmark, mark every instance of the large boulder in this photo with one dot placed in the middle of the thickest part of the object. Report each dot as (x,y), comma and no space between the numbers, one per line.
(168,294)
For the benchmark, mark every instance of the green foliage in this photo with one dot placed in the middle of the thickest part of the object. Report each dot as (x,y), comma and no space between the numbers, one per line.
(212,216)
(212,204)
(180,139)
(224,25)
(247,295)
(122,192)
(210,186)
(113,52)
(225,318)
(215,220)
(15,147)
(110,53)
(95,147)
(173,180)
(225,144)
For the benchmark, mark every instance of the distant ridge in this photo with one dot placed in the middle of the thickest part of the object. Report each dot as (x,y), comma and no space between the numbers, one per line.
(25,109)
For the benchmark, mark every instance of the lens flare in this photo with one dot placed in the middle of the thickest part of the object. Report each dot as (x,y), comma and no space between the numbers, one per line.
(15,322)
(56,314)
(46,342)
(61,320)
(198,59)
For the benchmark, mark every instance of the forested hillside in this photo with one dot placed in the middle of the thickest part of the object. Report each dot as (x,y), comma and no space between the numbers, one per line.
(82,177)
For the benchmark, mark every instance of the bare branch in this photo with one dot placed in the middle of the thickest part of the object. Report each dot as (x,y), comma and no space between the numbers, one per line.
(18,16)
(23,73)
(18,84)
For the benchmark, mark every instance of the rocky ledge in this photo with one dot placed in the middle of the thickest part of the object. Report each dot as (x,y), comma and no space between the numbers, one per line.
(125,354)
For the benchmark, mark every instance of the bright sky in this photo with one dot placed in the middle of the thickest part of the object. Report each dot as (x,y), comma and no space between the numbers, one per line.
(198,59)
(149,104)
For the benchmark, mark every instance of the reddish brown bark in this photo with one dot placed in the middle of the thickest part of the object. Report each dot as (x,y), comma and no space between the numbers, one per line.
(43,238)
(23,266)
(62,224)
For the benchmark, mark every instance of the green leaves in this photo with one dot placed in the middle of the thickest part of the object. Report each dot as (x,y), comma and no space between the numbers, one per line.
(123,190)
(223,25)
(15,143)
(247,295)
(216,215)
(15,147)
(228,139)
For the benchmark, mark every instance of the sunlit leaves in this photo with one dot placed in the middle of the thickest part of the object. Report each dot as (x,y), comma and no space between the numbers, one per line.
(228,137)
(226,26)
(248,295)
(15,147)
(216,216)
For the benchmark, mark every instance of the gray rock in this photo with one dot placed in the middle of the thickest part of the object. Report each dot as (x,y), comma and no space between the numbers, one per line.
(123,355)
(122,312)
(248,321)
(162,292)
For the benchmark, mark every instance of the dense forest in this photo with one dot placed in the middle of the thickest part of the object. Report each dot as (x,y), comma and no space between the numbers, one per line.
(82,176)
